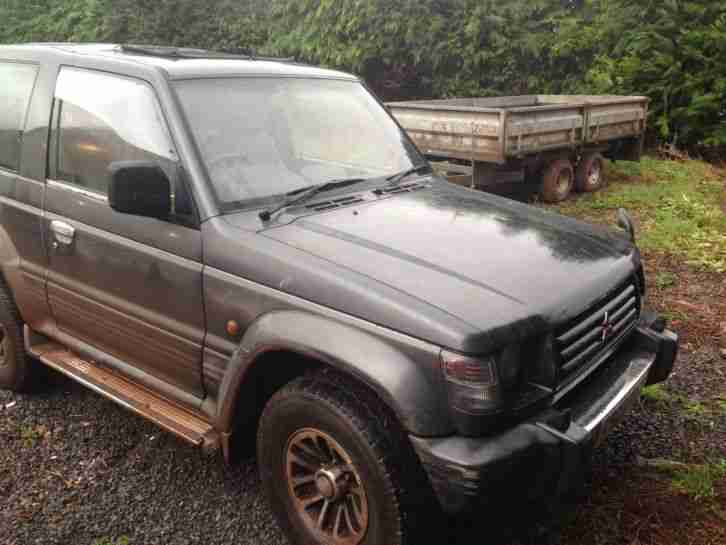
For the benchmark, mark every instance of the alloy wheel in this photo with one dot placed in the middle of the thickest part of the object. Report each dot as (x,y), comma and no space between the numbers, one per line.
(326,489)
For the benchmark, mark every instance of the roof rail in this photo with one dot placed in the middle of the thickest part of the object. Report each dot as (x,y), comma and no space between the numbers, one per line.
(172,52)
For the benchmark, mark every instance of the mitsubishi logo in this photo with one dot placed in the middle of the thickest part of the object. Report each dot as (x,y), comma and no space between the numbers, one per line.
(607,328)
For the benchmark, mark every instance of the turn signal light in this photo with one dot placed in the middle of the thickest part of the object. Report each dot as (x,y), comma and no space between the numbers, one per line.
(472,383)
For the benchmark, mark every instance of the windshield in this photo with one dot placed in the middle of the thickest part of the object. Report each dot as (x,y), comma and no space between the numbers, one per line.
(261,137)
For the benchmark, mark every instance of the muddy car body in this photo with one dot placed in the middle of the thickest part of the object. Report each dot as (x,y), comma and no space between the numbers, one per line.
(232,246)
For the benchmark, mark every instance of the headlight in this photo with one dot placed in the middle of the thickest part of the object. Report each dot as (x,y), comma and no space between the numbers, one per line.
(479,385)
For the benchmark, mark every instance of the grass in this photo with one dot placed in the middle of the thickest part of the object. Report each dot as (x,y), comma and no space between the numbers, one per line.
(122,540)
(665,279)
(656,393)
(674,315)
(698,481)
(30,435)
(677,205)
(695,409)
(703,411)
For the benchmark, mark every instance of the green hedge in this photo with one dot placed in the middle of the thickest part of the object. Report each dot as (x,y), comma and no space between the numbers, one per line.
(672,50)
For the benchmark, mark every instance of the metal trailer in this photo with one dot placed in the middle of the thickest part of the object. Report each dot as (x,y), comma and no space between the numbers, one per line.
(559,141)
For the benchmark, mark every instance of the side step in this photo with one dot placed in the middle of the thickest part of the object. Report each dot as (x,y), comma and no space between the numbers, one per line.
(136,398)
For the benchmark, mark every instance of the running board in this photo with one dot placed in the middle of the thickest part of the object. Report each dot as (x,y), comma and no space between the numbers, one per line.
(128,394)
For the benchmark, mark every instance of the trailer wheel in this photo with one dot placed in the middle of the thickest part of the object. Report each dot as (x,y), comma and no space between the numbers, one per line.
(558,179)
(589,176)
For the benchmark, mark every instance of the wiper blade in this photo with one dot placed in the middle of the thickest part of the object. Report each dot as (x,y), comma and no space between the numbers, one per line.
(301,195)
(399,177)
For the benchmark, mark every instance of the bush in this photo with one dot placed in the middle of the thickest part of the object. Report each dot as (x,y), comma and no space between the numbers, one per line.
(670,50)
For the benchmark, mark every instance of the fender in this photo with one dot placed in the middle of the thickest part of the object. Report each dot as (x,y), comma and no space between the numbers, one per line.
(404,372)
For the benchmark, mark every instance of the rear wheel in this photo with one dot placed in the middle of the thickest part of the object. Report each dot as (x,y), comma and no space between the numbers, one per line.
(589,176)
(558,180)
(335,468)
(17,369)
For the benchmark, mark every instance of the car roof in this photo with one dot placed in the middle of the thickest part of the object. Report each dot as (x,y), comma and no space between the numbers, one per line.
(185,63)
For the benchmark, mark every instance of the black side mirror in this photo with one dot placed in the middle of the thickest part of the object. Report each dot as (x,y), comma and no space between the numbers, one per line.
(140,188)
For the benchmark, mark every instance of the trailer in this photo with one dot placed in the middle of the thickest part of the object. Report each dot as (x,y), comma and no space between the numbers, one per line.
(557,141)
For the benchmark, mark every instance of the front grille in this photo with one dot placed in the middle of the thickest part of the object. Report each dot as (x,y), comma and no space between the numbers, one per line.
(583,339)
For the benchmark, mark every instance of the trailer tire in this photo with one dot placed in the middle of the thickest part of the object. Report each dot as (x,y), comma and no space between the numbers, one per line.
(558,180)
(589,176)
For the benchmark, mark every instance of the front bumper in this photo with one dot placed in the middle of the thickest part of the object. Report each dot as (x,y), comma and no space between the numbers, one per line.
(548,453)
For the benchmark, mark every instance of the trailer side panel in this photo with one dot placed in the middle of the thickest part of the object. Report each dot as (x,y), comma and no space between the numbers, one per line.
(537,129)
(493,130)
(611,121)
(467,135)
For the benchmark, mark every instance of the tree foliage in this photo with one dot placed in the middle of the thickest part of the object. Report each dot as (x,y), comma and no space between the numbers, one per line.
(219,24)
(674,51)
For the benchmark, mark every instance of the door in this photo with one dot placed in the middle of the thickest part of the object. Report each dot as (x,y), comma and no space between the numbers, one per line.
(128,285)
(22,256)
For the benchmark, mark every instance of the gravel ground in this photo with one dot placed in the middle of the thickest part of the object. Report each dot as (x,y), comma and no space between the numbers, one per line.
(75,468)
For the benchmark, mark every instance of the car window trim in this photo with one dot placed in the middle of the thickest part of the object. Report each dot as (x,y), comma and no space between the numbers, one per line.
(167,130)
(26,113)
(192,221)
(75,188)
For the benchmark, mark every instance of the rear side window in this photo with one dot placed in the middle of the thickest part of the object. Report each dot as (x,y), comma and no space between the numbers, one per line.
(100,119)
(16,86)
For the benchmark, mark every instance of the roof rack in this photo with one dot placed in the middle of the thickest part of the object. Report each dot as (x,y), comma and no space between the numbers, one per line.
(172,52)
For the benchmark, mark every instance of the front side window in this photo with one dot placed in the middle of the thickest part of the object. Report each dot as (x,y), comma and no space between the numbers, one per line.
(101,119)
(16,86)
(262,137)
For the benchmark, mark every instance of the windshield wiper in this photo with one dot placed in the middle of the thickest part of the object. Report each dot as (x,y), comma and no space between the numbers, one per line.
(399,177)
(306,193)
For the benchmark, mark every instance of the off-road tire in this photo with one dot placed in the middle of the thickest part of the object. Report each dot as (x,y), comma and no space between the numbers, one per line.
(395,485)
(589,176)
(558,179)
(17,370)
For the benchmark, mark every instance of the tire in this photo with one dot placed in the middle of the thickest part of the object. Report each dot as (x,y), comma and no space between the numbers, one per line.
(558,180)
(17,370)
(328,409)
(589,176)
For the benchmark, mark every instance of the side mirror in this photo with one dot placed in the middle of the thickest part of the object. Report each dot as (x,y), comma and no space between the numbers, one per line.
(140,188)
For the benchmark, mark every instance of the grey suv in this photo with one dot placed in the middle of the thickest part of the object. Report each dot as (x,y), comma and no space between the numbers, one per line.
(240,248)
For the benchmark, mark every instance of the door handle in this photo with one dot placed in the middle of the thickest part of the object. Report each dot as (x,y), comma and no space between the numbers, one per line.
(62,233)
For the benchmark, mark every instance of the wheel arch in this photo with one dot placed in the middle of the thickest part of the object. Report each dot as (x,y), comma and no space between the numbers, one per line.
(9,259)
(261,365)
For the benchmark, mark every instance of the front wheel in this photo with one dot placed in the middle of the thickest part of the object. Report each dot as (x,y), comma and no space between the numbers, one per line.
(334,466)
